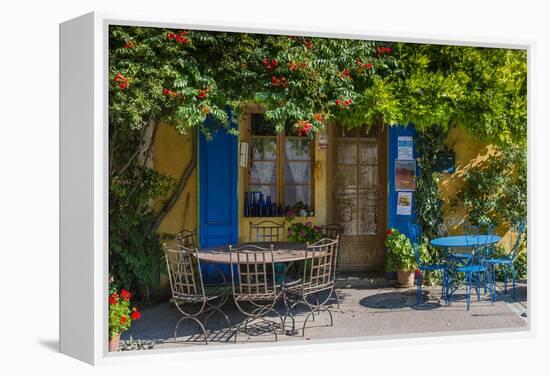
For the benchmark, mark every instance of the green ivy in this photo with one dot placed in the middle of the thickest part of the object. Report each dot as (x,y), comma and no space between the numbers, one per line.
(495,191)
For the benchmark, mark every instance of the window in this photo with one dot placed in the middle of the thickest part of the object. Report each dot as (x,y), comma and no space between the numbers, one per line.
(281,164)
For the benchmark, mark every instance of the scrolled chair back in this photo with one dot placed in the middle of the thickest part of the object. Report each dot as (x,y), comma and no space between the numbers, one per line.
(187,238)
(320,263)
(184,272)
(267,231)
(519,229)
(254,269)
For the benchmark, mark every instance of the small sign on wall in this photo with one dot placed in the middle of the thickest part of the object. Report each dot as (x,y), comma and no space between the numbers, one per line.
(405,148)
(404,203)
(404,175)
(323,141)
(243,160)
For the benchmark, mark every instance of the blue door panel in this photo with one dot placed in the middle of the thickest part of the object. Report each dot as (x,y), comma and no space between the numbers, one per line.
(218,171)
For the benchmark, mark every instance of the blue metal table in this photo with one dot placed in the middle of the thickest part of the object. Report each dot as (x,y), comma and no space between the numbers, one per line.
(465,241)
(473,242)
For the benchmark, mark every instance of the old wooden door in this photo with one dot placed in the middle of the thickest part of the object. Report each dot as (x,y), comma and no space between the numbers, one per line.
(359,196)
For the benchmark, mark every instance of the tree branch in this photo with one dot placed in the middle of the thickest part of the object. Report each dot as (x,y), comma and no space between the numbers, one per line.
(169,204)
(146,158)
(136,152)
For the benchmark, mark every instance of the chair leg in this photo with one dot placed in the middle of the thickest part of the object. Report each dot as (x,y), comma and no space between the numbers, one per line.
(513,281)
(468,289)
(419,288)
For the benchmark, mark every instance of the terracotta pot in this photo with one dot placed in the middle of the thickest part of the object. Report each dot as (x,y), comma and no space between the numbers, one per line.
(114,342)
(405,279)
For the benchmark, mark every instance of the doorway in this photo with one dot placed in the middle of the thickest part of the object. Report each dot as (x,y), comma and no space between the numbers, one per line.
(359,196)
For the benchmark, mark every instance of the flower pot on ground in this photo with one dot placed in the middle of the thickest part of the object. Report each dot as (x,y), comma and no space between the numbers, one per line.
(405,279)
(114,343)
(401,257)
(121,315)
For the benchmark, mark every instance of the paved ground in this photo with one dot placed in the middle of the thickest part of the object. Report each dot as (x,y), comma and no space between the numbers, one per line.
(362,312)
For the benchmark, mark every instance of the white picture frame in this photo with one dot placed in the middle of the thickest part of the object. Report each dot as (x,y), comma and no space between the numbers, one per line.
(83,179)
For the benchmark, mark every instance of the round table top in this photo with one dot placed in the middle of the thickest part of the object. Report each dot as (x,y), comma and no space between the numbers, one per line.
(283,252)
(465,241)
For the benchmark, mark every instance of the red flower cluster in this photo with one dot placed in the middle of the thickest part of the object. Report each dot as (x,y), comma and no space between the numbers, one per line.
(121,81)
(123,319)
(203,93)
(125,295)
(179,37)
(308,44)
(342,103)
(168,92)
(130,44)
(303,127)
(383,50)
(389,231)
(345,73)
(135,314)
(318,117)
(282,81)
(270,65)
(362,65)
(113,298)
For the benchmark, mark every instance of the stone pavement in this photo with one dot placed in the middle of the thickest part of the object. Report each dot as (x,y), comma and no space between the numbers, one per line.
(363,312)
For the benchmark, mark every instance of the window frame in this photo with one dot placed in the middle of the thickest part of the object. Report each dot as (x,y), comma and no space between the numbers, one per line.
(280,163)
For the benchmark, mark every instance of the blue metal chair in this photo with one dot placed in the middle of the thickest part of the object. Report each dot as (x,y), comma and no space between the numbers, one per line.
(476,270)
(507,261)
(414,234)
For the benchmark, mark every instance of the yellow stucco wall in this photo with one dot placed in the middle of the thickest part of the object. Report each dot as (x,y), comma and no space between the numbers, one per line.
(469,152)
(172,152)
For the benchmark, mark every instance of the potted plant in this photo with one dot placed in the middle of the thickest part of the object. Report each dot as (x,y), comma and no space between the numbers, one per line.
(401,257)
(121,315)
(304,232)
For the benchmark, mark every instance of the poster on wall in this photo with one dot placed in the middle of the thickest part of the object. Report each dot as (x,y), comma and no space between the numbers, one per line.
(405,148)
(404,175)
(404,203)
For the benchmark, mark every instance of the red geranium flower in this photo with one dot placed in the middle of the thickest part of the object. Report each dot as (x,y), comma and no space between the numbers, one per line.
(135,315)
(345,73)
(388,232)
(125,294)
(112,299)
(123,319)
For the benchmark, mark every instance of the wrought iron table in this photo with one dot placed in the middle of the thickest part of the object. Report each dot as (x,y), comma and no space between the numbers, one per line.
(283,252)
(472,242)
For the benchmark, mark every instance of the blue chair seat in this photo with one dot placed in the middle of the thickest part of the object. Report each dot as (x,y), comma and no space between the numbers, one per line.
(432,267)
(499,261)
(472,268)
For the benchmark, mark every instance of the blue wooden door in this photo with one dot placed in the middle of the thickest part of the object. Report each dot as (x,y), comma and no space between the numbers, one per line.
(218,170)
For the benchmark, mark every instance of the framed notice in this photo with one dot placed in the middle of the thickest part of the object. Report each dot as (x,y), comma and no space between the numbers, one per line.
(404,175)
(405,148)
(404,203)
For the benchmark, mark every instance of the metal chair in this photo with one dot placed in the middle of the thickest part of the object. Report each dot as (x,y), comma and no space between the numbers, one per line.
(317,277)
(187,238)
(186,284)
(334,231)
(253,282)
(476,269)
(414,234)
(267,231)
(507,261)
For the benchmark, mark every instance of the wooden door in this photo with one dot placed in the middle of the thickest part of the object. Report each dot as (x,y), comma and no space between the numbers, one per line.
(359,196)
